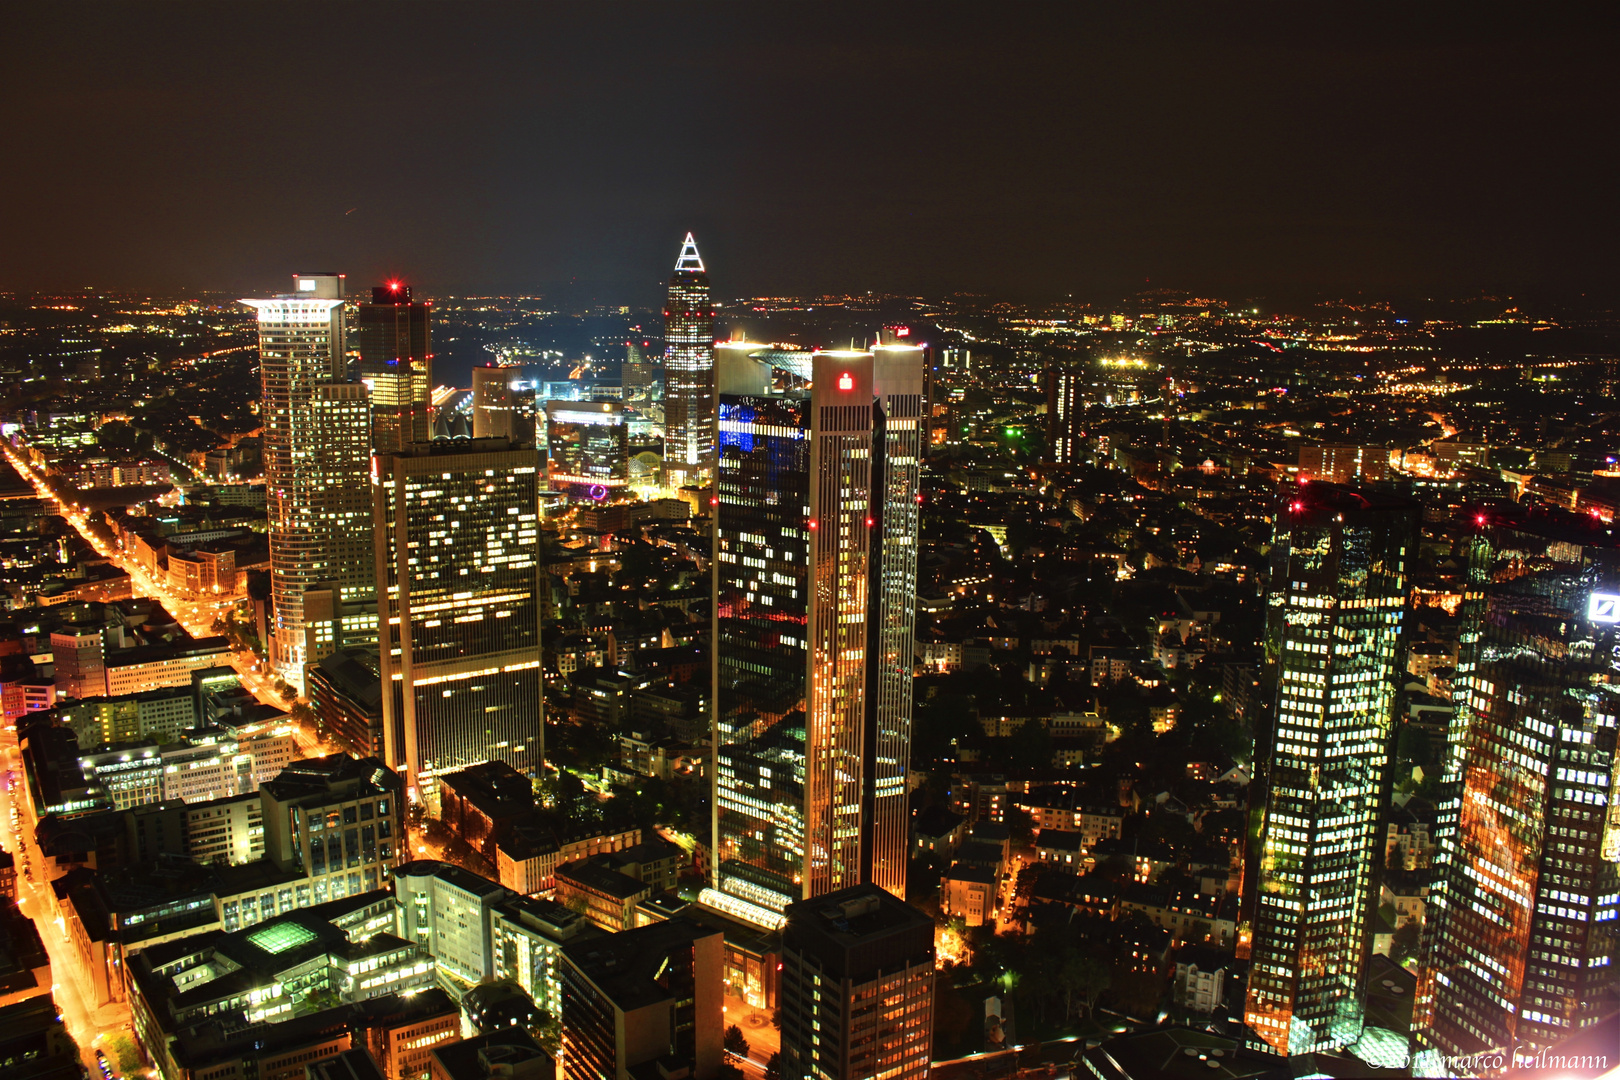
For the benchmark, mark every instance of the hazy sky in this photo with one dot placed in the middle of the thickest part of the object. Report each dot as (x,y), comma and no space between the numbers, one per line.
(1024,149)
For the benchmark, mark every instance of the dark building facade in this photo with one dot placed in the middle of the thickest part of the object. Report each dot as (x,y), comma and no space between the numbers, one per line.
(346,693)
(394,336)
(644,1002)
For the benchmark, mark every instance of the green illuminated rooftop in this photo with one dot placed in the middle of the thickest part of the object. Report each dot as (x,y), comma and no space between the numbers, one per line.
(281,937)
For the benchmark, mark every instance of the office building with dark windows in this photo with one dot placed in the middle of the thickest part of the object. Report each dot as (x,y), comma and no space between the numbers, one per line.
(458,585)
(588,449)
(1522,923)
(815,592)
(642,378)
(1336,617)
(689,388)
(644,1003)
(857,987)
(395,344)
(314,464)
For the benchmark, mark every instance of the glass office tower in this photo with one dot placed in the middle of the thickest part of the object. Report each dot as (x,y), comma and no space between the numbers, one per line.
(815,592)
(313,467)
(395,340)
(1337,611)
(1522,923)
(689,373)
(588,448)
(458,585)
(494,405)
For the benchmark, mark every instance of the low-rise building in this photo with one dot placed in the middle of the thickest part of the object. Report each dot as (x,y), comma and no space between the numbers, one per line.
(402,1045)
(1201,978)
(501,1055)
(345,690)
(528,858)
(149,667)
(182,990)
(1062,848)
(228,831)
(969,893)
(937,830)
(25,967)
(481,803)
(1192,917)
(605,895)
(337,819)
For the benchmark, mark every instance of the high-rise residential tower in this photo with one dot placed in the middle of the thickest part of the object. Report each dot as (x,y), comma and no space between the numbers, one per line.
(1524,914)
(458,589)
(689,389)
(1340,566)
(313,466)
(395,342)
(1065,415)
(815,594)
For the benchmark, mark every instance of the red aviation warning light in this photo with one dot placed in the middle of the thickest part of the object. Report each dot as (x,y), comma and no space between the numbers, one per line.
(846,381)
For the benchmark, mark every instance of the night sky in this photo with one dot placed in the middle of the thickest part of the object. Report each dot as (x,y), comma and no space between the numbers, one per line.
(1025,152)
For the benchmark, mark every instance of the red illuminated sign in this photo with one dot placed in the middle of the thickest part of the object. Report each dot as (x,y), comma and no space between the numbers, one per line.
(846,381)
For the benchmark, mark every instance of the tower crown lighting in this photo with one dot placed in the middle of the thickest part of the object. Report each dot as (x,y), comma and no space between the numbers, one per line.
(690,259)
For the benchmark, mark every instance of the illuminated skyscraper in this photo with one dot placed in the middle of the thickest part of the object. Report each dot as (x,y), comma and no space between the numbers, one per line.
(815,602)
(458,584)
(1522,919)
(396,360)
(1333,639)
(314,464)
(689,373)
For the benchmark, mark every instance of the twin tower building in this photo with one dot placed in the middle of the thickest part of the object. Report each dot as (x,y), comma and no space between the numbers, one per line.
(429,549)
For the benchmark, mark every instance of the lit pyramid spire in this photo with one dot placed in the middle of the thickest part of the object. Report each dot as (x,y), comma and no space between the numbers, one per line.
(690,259)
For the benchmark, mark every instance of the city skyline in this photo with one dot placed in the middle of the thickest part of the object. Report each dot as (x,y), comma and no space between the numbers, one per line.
(809,542)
